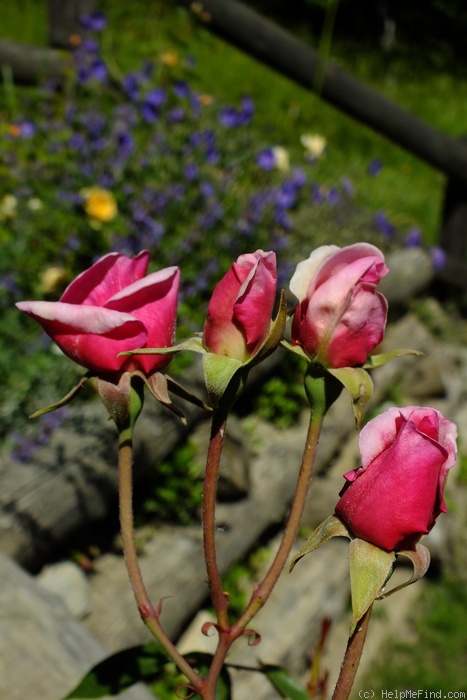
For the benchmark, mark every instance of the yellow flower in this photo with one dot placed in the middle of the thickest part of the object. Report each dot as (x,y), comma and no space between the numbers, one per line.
(314,145)
(205,99)
(169,58)
(51,278)
(99,204)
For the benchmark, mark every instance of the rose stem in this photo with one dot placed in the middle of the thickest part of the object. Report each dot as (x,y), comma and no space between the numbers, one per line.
(264,589)
(219,599)
(227,635)
(149,615)
(352,658)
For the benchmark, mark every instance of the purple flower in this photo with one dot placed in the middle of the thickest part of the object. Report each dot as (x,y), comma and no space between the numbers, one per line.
(438,258)
(191,171)
(285,196)
(125,144)
(383,224)
(298,178)
(374,167)
(26,128)
(212,156)
(413,238)
(266,159)
(181,89)
(156,97)
(93,23)
(207,189)
(247,110)
(176,115)
(333,197)
(228,116)
(348,187)
(317,194)
(130,84)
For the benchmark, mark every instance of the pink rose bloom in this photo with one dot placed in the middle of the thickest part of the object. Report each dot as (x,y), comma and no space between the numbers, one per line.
(396,495)
(340,317)
(110,308)
(240,309)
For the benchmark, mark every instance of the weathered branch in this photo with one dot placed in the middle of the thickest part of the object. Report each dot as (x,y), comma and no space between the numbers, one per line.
(31,64)
(281,51)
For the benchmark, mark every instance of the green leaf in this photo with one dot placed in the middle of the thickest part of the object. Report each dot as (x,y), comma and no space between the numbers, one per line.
(284,683)
(201,662)
(122,670)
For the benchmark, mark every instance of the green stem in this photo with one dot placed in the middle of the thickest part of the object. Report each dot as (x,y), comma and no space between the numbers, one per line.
(352,658)
(219,599)
(147,611)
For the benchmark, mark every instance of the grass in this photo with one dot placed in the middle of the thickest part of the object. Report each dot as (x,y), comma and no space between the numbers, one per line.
(408,190)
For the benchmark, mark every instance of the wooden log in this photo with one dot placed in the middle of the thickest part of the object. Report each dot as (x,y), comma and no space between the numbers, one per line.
(30,64)
(454,219)
(249,31)
(64,20)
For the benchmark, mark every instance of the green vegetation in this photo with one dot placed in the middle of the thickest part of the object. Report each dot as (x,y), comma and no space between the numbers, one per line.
(174,492)
(436,661)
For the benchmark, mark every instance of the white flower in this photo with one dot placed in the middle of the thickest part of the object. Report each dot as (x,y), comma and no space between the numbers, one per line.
(314,145)
(34,204)
(281,158)
(8,207)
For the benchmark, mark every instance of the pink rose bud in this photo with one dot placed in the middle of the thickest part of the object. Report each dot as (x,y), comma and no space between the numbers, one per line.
(396,495)
(240,309)
(110,308)
(340,317)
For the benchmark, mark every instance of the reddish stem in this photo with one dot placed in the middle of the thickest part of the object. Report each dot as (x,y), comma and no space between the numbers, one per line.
(352,658)
(219,599)
(147,611)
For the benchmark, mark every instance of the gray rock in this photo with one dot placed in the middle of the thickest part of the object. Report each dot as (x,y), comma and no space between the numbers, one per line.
(69,582)
(44,651)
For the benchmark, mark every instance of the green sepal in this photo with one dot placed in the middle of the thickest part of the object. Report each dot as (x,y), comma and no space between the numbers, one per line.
(359,385)
(379,360)
(123,399)
(284,683)
(122,670)
(420,558)
(296,349)
(321,389)
(331,527)
(219,371)
(275,334)
(65,400)
(194,344)
(183,393)
(370,568)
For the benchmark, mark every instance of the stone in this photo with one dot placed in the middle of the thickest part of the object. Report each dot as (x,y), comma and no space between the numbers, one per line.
(44,651)
(69,582)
